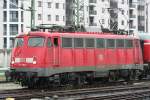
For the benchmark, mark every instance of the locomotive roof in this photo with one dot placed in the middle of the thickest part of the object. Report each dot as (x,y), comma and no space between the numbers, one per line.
(78,34)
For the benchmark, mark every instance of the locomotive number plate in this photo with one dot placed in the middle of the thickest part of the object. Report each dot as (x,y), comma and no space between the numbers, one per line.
(22,60)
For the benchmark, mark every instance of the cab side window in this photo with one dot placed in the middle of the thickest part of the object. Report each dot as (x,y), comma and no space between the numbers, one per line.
(49,44)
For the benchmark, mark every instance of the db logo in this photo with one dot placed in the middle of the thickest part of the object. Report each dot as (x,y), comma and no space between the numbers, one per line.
(100,57)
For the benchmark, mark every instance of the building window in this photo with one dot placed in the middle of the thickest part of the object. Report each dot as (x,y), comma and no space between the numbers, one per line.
(39,3)
(87,8)
(49,17)
(12,40)
(103,10)
(122,22)
(122,1)
(13,29)
(4,16)
(63,6)
(39,17)
(103,21)
(22,15)
(21,27)
(5,29)
(5,43)
(122,11)
(4,4)
(49,4)
(22,5)
(57,17)
(13,4)
(63,18)
(57,5)
(13,16)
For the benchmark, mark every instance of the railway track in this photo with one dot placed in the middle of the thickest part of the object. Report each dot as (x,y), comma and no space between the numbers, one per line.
(137,95)
(101,93)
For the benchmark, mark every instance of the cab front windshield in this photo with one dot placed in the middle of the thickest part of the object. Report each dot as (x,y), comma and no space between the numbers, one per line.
(36,41)
(18,42)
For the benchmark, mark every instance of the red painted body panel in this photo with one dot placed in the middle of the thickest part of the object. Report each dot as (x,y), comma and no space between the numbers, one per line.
(77,57)
(121,56)
(146,51)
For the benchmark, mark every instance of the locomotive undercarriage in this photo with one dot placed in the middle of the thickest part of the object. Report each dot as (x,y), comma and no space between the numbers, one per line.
(31,79)
(146,71)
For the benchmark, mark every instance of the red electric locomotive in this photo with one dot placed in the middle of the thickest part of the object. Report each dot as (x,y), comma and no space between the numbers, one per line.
(41,58)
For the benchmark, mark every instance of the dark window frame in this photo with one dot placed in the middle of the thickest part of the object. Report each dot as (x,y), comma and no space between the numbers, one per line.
(16,42)
(108,45)
(62,45)
(85,43)
(49,39)
(103,43)
(127,45)
(36,37)
(119,41)
(77,46)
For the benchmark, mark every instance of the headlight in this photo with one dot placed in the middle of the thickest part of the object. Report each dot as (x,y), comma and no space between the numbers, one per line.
(12,62)
(34,60)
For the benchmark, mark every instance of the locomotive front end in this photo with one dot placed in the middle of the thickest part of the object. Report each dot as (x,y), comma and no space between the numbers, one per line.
(27,59)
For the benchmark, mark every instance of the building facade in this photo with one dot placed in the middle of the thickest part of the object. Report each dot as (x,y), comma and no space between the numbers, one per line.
(12,21)
(16,17)
(127,15)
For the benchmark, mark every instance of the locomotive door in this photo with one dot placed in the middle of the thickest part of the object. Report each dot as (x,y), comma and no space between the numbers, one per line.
(55,51)
(49,56)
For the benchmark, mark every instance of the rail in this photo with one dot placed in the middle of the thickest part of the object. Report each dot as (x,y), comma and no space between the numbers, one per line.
(82,94)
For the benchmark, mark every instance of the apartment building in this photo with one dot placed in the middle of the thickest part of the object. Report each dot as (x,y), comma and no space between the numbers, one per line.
(125,15)
(12,21)
(15,17)
(93,14)
(119,15)
(50,12)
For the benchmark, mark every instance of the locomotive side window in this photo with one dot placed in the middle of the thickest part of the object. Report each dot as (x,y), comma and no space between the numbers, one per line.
(89,43)
(78,43)
(19,42)
(67,42)
(128,43)
(36,41)
(100,43)
(49,44)
(110,43)
(55,42)
(120,43)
